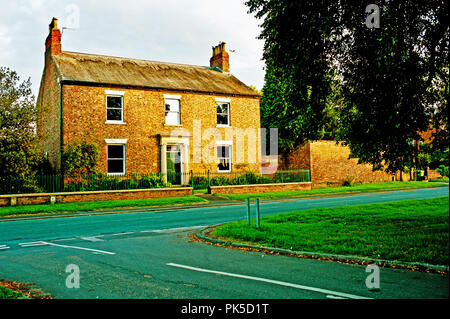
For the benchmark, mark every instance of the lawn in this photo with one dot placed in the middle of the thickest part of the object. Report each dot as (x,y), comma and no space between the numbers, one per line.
(410,231)
(91,206)
(359,188)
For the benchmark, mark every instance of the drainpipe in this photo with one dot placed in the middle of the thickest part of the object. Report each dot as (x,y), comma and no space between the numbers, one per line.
(61,128)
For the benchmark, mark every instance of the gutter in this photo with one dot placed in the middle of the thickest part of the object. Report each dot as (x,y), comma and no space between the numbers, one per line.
(88,83)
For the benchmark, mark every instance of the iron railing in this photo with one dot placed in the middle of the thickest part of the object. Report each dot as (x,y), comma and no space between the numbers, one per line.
(98,182)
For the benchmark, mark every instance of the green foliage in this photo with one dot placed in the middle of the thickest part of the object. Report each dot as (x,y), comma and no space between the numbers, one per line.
(251,178)
(6,293)
(17,116)
(80,159)
(443,170)
(329,75)
(97,182)
(412,231)
(151,181)
(387,78)
(19,184)
(298,78)
(219,181)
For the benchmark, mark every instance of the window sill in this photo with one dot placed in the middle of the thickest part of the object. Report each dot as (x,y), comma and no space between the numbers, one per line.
(178,125)
(115,174)
(116,122)
(223,125)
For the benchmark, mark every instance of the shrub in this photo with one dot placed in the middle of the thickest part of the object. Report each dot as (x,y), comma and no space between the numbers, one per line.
(19,184)
(80,159)
(199,182)
(251,178)
(219,181)
(152,181)
(443,170)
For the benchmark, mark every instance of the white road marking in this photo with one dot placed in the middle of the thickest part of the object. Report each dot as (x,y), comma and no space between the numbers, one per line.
(4,247)
(334,297)
(92,238)
(82,248)
(168,230)
(32,243)
(276,282)
(118,234)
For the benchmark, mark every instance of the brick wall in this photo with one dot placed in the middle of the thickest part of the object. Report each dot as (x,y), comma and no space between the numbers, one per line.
(260,188)
(31,199)
(48,114)
(329,164)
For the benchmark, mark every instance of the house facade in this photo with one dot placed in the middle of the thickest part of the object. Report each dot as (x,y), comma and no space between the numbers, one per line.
(147,116)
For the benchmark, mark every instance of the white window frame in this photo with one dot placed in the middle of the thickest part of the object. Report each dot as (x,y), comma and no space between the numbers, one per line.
(224,101)
(225,144)
(113,93)
(123,159)
(176,98)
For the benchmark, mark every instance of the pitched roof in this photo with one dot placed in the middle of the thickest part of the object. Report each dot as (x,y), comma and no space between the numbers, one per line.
(100,69)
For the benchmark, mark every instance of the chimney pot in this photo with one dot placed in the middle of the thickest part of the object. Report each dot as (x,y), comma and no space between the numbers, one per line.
(53,41)
(220,58)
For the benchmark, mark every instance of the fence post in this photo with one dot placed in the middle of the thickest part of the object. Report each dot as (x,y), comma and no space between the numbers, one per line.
(248,211)
(192,180)
(209,180)
(257,212)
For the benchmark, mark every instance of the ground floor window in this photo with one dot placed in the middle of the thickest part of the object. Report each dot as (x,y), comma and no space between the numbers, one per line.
(224,157)
(116,159)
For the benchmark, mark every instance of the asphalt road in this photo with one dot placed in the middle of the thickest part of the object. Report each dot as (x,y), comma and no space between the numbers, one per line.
(149,255)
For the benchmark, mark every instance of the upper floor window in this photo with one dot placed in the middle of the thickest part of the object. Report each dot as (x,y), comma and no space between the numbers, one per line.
(172,110)
(223,112)
(114,106)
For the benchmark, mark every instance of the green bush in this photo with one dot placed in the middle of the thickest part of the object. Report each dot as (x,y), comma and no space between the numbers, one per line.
(220,181)
(251,178)
(443,170)
(19,184)
(151,181)
(199,182)
(80,158)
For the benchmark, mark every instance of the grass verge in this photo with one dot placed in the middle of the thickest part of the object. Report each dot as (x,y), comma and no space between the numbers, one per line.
(409,231)
(359,188)
(92,206)
(440,179)
(6,293)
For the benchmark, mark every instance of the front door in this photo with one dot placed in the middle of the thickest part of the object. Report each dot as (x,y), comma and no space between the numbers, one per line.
(173,162)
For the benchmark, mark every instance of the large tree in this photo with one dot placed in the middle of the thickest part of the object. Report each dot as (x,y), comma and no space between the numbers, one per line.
(297,38)
(389,75)
(17,118)
(393,77)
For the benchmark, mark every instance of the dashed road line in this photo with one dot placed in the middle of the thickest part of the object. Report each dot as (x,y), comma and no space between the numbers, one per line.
(276,282)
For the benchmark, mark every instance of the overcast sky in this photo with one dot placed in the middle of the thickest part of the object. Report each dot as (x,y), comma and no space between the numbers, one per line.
(180,31)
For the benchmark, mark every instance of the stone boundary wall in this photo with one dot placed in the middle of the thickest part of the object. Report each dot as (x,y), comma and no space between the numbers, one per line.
(259,188)
(69,197)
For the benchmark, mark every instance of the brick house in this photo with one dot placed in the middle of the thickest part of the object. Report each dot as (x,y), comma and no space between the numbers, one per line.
(147,116)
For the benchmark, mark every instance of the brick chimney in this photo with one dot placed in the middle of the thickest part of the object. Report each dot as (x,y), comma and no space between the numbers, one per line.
(53,41)
(220,58)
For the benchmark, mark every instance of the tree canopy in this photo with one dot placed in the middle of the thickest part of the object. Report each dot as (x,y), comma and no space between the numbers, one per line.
(17,119)
(375,88)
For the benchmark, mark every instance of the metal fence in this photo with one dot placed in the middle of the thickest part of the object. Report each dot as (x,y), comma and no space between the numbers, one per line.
(98,182)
